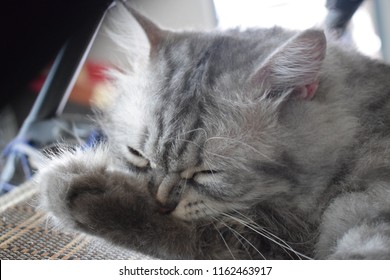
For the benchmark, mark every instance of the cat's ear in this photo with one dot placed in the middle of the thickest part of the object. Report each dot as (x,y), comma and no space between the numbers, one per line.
(154,34)
(294,66)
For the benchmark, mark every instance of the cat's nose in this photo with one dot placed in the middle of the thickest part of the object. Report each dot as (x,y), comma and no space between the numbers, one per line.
(168,192)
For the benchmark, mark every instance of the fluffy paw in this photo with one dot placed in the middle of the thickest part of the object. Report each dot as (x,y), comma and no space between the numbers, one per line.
(81,192)
(367,241)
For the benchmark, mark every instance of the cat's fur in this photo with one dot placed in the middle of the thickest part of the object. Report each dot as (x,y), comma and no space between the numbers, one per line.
(263,143)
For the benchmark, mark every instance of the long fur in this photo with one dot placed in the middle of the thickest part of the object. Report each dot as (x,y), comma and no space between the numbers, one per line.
(212,152)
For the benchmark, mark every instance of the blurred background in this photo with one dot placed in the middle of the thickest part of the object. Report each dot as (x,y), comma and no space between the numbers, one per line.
(35,49)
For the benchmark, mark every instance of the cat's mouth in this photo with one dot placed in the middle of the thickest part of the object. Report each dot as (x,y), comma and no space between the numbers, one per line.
(166,209)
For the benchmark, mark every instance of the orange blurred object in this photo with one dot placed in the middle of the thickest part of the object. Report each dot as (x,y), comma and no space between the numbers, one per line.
(91,76)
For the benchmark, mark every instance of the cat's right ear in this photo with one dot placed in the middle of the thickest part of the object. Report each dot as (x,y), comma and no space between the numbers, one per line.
(154,34)
(295,66)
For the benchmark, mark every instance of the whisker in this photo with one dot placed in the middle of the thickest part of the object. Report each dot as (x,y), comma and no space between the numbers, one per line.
(188,141)
(237,233)
(240,142)
(264,234)
(217,155)
(267,231)
(241,236)
(270,236)
(224,241)
(257,226)
(193,130)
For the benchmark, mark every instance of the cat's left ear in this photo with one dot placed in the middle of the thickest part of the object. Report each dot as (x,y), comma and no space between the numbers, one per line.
(294,66)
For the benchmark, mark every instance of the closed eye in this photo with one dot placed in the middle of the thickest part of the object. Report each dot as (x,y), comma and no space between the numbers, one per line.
(137,159)
(206,177)
(134,152)
(206,172)
(191,173)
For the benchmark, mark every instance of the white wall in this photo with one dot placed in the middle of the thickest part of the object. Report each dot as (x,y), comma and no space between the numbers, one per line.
(382,11)
(180,14)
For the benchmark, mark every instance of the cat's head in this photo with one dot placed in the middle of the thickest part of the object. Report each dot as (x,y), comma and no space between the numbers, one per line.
(197,114)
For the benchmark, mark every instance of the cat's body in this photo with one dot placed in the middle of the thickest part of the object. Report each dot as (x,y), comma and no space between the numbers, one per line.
(253,144)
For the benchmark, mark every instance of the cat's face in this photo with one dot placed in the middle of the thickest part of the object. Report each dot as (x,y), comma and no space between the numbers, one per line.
(200,125)
(197,157)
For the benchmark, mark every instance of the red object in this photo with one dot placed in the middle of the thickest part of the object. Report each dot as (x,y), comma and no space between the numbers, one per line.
(90,75)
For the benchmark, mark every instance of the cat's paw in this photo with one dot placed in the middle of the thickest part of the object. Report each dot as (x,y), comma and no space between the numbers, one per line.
(364,242)
(80,191)
(103,202)
(378,255)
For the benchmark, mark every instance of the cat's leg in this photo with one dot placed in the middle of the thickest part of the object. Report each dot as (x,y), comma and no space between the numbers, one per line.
(83,192)
(357,226)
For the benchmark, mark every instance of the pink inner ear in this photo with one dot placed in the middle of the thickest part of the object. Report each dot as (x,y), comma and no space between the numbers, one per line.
(308,91)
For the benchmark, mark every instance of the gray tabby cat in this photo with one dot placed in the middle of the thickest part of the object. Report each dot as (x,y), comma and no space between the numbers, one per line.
(263,143)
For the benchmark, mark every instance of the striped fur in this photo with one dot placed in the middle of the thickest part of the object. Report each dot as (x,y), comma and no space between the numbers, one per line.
(263,143)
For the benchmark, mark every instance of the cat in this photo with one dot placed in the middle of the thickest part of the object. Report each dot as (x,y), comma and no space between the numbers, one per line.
(254,144)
